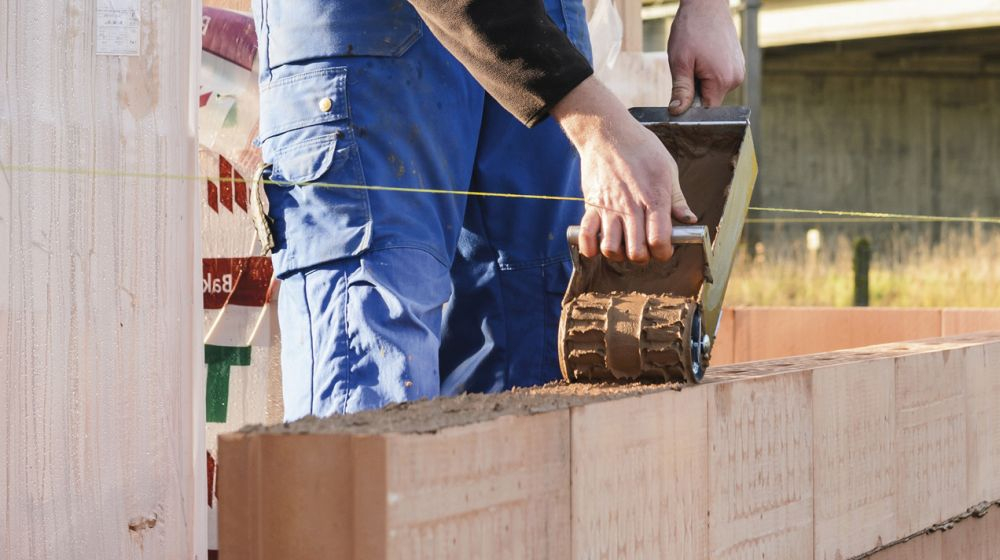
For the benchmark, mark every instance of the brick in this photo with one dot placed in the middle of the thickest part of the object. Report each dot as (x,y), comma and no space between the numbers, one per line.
(982,392)
(639,477)
(722,353)
(962,321)
(822,456)
(931,437)
(774,332)
(853,457)
(497,489)
(923,547)
(760,468)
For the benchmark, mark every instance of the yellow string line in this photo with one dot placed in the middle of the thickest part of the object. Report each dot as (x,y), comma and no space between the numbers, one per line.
(881,216)
(832,216)
(822,220)
(218,179)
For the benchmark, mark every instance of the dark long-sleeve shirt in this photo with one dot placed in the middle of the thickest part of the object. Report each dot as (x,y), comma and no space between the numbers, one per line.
(512,48)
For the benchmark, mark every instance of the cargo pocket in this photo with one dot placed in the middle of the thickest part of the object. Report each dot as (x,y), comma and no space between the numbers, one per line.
(316,193)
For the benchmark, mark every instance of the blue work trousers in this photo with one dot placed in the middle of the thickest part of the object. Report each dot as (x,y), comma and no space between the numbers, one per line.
(395,295)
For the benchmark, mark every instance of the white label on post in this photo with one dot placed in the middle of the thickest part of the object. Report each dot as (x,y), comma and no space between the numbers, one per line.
(117,30)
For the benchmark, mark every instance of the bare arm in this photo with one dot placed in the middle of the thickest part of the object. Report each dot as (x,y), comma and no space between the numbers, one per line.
(629,179)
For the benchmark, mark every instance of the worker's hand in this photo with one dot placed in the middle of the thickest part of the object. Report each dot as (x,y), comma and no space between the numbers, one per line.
(630,181)
(703,46)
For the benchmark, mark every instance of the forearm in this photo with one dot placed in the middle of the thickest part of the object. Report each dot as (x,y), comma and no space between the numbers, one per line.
(512,48)
(588,111)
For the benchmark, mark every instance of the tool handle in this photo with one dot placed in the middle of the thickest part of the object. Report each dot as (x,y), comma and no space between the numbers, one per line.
(681,235)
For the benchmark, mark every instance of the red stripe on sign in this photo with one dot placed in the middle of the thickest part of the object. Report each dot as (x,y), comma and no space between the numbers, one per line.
(213,197)
(203,100)
(226,183)
(239,281)
(240,186)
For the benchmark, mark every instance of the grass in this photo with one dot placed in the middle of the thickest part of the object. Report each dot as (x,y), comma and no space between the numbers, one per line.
(907,270)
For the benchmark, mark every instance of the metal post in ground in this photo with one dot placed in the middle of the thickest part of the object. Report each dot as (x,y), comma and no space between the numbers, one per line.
(862,265)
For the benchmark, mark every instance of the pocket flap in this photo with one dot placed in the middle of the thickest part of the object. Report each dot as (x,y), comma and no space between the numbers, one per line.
(302,100)
(306,161)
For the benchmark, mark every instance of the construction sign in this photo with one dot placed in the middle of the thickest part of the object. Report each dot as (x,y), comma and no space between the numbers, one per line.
(242,347)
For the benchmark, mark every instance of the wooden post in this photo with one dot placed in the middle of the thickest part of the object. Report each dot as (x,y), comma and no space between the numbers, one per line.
(100,313)
(631,14)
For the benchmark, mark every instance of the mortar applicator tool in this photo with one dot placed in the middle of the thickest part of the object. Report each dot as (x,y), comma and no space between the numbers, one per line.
(623,321)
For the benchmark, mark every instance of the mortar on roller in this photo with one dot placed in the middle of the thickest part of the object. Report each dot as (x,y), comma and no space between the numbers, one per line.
(658,321)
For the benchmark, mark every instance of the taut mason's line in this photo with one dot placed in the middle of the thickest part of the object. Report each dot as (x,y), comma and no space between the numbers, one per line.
(874,217)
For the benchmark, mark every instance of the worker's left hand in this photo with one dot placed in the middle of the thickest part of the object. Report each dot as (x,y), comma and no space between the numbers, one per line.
(703,47)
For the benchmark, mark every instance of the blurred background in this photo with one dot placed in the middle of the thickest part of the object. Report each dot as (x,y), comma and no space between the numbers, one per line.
(868,105)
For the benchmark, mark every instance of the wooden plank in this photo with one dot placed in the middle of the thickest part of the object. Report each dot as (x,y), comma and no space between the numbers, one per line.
(103,450)
(853,458)
(639,484)
(760,467)
(773,332)
(962,321)
(931,437)
(817,22)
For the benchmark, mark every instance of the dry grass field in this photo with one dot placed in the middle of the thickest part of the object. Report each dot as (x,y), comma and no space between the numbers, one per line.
(907,270)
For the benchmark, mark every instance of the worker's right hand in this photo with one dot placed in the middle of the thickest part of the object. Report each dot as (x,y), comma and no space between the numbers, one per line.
(629,180)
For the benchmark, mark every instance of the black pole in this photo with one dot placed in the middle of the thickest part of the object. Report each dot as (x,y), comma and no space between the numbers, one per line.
(862,265)
(752,91)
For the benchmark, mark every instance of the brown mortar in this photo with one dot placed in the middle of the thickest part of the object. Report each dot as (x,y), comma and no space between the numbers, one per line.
(427,416)
(432,415)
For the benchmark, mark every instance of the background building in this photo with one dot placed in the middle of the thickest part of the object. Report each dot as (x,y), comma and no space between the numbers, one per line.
(878,105)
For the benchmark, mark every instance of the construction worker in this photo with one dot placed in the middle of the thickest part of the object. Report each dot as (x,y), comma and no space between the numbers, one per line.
(395,295)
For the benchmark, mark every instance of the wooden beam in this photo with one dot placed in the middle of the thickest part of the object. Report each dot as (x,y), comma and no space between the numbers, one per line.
(821,456)
(817,22)
(631,13)
(100,319)
(235,5)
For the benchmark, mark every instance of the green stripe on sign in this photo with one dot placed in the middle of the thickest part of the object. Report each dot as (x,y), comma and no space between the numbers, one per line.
(219,359)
